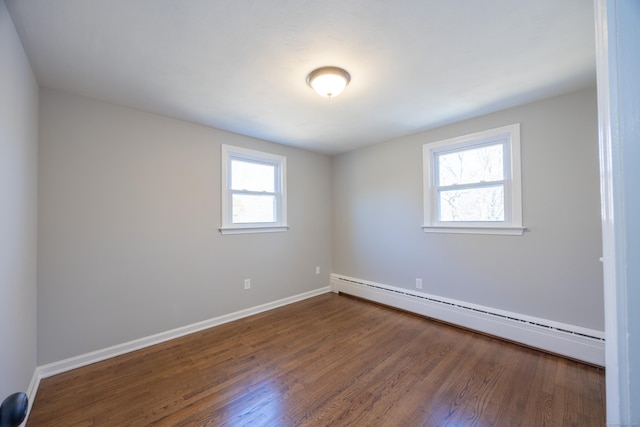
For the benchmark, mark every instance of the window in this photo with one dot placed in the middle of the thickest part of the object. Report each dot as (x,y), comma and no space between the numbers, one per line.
(472,183)
(253,191)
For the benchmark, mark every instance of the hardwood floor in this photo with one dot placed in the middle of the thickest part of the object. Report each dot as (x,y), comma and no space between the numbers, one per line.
(330,360)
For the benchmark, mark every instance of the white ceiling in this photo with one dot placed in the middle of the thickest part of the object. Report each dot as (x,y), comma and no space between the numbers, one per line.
(241,65)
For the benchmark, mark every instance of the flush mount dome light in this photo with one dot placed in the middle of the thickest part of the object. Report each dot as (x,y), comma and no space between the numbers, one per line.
(328,81)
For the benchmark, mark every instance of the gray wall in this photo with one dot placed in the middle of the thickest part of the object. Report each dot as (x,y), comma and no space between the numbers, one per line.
(18,208)
(552,271)
(129,212)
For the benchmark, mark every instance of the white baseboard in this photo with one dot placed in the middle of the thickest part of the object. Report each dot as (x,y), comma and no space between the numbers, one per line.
(117,350)
(568,340)
(31,393)
(65,365)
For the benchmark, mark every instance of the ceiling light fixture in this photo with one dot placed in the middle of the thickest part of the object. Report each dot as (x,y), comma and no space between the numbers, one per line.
(328,81)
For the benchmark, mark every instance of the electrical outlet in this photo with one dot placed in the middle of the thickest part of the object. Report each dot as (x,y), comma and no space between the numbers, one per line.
(317,270)
(419,283)
(247,283)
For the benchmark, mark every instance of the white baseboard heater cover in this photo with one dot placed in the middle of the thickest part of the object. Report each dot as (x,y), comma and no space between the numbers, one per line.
(568,340)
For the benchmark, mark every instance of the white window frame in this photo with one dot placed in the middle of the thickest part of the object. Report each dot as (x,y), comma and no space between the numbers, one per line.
(230,153)
(512,224)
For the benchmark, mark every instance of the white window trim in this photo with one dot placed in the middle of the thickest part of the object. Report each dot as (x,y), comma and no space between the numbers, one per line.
(512,187)
(229,153)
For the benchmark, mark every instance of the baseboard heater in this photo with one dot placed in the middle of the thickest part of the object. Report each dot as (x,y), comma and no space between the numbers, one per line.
(572,341)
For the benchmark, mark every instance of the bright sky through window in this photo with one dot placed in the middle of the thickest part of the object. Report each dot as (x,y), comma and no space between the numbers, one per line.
(252,176)
(253,196)
(472,183)
(253,191)
(459,202)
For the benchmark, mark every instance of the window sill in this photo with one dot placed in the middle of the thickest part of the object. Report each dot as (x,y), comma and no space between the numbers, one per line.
(249,230)
(506,231)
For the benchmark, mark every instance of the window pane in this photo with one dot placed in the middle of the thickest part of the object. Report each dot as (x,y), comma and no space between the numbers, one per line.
(472,204)
(253,208)
(252,176)
(473,165)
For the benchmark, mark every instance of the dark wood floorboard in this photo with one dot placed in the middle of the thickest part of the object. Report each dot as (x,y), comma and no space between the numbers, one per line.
(327,361)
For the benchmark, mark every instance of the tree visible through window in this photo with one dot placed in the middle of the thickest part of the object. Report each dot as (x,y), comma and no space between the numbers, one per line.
(253,191)
(473,182)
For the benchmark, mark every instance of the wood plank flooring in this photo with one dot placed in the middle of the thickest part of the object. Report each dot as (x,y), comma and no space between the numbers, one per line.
(327,361)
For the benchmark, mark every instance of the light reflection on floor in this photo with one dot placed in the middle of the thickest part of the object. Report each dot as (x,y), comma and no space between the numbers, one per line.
(259,405)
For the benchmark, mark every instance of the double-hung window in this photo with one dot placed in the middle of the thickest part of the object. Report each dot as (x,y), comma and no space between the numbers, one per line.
(472,183)
(253,191)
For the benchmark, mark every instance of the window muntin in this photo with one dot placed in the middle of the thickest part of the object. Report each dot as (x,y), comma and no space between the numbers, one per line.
(472,183)
(253,191)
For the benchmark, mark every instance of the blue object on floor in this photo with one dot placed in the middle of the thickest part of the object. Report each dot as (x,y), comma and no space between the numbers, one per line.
(13,410)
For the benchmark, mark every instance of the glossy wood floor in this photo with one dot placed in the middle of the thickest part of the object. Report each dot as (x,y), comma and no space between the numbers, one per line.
(327,361)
